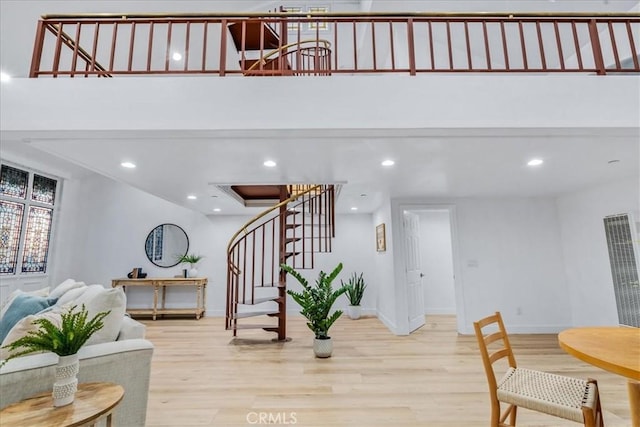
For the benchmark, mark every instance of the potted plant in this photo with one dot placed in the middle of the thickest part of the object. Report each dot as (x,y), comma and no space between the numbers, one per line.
(65,341)
(316,302)
(355,291)
(192,260)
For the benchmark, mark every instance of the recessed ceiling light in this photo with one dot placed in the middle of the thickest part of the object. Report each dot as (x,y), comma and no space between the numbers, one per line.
(535,162)
(388,163)
(177,56)
(4,77)
(191,197)
(217,209)
(354,208)
(270,164)
(128,165)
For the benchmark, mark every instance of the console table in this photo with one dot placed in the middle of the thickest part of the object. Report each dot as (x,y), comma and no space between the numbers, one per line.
(199,283)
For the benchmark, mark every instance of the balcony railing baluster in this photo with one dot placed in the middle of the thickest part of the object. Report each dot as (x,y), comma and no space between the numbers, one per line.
(452,42)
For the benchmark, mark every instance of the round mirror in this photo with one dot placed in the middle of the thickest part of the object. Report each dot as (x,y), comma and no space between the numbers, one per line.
(166,244)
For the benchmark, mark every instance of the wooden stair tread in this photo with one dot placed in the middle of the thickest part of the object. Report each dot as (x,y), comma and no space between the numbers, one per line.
(252,326)
(260,300)
(245,314)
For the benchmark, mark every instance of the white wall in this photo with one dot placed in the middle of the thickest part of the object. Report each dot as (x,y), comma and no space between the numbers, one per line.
(585,251)
(564,101)
(102,229)
(384,269)
(510,257)
(437,262)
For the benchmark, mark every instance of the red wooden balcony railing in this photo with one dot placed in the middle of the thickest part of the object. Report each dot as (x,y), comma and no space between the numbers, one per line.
(107,45)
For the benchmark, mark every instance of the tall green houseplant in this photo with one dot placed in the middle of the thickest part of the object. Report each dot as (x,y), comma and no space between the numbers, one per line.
(316,302)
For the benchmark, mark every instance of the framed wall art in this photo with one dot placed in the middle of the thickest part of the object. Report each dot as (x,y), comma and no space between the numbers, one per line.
(381,240)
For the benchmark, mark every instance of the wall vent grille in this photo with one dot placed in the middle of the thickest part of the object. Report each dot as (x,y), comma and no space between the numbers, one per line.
(623,256)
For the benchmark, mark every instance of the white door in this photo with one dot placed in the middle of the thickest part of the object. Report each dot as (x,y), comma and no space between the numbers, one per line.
(411,224)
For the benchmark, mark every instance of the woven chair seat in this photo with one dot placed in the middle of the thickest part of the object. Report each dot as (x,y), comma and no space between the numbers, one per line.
(552,394)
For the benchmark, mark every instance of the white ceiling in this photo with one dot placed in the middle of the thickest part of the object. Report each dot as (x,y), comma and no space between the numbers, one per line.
(429,163)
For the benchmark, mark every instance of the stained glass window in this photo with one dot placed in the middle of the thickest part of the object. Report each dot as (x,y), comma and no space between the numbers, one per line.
(36,242)
(10,224)
(44,189)
(13,182)
(25,225)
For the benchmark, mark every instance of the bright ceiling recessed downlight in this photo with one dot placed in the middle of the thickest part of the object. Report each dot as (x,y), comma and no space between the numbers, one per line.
(388,163)
(177,56)
(128,165)
(191,197)
(4,77)
(354,208)
(535,162)
(270,164)
(217,209)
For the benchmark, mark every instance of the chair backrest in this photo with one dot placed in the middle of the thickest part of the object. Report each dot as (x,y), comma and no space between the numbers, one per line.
(494,346)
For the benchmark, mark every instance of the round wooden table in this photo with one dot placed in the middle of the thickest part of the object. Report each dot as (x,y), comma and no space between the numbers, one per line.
(614,349)
(92,402)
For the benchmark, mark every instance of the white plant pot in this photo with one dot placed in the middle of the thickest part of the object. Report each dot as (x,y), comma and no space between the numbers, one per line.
(66,383)
(354,311)
(193,272)
(322,348)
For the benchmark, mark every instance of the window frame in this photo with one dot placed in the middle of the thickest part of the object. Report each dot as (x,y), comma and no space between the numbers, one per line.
(28,203)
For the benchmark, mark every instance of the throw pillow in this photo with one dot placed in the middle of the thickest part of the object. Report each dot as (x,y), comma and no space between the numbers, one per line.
(96,299)
(7,302)
(22,306)
(26,325)
(71,296)
(64,287)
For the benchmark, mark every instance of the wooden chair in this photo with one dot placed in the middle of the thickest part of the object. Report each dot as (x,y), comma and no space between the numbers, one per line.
(565,397)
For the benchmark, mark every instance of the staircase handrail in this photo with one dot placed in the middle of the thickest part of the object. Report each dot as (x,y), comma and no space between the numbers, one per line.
(265,213)
(263,59)
(70,42)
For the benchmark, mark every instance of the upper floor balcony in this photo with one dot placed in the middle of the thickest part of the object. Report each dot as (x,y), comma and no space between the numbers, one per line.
(303,44)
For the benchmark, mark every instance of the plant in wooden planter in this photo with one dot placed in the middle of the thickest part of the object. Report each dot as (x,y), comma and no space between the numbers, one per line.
(316,302)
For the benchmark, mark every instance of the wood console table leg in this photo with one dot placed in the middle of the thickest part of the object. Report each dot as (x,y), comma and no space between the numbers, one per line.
(155,301)
(198,301)
(633,388)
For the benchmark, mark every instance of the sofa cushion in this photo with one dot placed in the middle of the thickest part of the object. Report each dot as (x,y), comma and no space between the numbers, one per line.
(26,325)
(64,287)
(22,305)
(96,299)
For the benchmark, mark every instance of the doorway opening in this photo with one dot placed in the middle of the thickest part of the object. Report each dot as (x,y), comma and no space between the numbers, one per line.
(435,249)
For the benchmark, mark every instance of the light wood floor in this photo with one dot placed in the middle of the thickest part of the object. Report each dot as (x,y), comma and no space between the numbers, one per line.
(201,376)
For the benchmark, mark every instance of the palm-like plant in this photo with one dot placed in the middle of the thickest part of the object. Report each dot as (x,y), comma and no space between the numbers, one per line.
(316,300)
(191,259)
(355,288)
(65,340)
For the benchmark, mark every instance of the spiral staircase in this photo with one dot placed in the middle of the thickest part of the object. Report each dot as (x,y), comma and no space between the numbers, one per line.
(292,232)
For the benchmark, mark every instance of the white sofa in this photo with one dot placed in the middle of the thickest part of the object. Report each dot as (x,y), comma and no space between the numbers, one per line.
(126,361)
(117,353)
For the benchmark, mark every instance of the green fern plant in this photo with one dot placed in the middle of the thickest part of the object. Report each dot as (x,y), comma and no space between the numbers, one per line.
(65,340)
(316,300)
(355,288)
